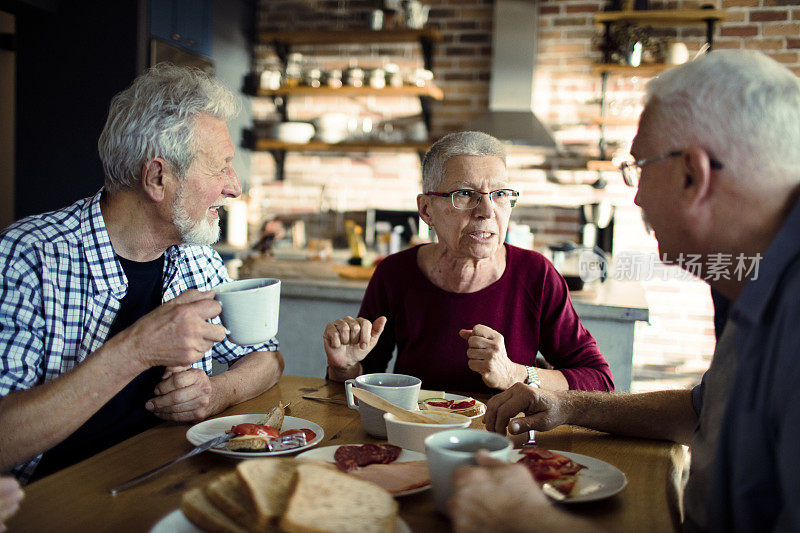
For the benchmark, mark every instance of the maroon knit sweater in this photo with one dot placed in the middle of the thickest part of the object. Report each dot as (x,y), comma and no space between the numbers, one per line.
(529,305)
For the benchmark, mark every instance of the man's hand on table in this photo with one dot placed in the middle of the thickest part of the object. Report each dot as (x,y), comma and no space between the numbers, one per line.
(185,394)
(488,357)
(10,497)
(176,333)
(348,340)
(543,409)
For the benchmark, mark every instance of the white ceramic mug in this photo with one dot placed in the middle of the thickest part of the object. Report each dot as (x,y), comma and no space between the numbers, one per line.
(250,309)
(399,389)
(448,450)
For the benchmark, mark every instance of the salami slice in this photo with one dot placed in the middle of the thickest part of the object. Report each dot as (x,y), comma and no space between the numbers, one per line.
(350,458)
(390,453)
(369,454)
(346,458)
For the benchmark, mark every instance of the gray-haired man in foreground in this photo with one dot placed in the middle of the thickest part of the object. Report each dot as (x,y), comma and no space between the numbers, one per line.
(718,175)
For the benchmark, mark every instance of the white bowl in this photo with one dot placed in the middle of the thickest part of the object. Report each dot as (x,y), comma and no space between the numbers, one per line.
(292,132)
(331,136)
(336,121)
(332,128)
(411,435)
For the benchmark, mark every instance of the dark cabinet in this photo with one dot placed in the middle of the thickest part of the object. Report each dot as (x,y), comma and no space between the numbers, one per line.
(71,60)
(184,23)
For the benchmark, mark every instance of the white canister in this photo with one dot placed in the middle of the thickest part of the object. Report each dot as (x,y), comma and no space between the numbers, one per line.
(236,233)
(677,53)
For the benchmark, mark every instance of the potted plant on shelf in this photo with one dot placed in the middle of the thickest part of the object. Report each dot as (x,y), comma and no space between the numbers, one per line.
(627,43)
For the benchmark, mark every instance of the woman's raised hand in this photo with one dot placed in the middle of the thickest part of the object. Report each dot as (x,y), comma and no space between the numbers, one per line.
(348,340)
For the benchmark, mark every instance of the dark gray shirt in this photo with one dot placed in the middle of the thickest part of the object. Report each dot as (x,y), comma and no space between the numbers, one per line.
(756,472)
(709,400)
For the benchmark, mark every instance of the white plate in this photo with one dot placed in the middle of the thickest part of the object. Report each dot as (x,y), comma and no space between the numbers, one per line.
(459,398)
(597,481)
(326,454)
(176,522)
(215,427)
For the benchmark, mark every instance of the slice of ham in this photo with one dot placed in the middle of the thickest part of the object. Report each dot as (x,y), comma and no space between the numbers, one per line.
(396,477)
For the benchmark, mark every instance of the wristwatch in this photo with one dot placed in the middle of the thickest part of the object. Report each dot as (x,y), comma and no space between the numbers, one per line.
(533,377)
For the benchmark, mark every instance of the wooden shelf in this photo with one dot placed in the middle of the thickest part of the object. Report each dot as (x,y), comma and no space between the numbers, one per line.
(349,36)
(645,71)
(429,91)
(572,165)
(355,146)
(615,121)
(607,166)
(657,17)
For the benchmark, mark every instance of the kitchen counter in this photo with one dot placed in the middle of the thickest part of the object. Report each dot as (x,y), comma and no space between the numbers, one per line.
(312,295)
(614,300)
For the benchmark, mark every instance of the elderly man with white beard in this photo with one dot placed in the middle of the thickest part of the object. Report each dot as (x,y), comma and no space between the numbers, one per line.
(108,323)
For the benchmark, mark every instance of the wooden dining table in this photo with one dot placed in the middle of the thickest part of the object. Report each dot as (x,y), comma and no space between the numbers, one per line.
(78,498)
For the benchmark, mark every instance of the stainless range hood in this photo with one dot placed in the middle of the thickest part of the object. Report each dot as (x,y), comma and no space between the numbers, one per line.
(514,47)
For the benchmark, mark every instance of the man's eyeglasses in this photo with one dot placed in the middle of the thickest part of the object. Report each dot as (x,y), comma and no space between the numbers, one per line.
(469,198)
(632,170)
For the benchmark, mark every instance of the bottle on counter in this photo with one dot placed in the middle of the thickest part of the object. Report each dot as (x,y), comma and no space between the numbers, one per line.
(294,70)
(396,239)
(355,240)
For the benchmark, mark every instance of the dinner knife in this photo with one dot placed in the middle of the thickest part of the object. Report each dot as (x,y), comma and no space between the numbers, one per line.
(329,400)
(216,441)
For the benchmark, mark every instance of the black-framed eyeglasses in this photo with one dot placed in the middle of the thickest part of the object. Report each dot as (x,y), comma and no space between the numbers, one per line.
(470,198)
(632,170)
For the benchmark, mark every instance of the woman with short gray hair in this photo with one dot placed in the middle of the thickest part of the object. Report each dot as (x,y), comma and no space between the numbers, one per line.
(469,312)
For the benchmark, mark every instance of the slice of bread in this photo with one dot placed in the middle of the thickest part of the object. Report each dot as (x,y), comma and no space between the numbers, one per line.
(327,501)
(274,417)
(477,409)
(202,513)
(247,442)
(230,496)
(268,482)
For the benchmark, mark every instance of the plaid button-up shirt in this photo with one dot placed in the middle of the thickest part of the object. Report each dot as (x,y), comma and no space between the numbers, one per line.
(60,291)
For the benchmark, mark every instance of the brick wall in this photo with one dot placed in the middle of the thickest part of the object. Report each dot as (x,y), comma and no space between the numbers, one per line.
(679,338)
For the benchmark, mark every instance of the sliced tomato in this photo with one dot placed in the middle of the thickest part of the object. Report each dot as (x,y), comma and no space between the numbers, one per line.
(545,473)
(438,402)
(545,465)
(310,435)
(256,429)
(465,404)
(570,468)
(537,452)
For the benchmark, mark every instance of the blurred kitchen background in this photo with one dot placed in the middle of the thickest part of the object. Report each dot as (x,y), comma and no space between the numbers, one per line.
(341,99)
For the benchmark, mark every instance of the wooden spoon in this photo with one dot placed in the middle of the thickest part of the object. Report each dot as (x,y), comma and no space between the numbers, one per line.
(379,403)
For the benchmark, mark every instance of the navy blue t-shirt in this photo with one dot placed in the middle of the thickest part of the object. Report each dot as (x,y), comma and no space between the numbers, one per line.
(124,415)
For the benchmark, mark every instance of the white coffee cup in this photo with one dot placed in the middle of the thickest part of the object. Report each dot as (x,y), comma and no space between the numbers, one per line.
(250,309)
(399,389)
(448,450)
